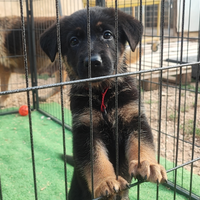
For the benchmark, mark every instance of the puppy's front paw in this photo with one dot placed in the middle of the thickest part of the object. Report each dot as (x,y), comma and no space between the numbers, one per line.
(109,186)
(152,172)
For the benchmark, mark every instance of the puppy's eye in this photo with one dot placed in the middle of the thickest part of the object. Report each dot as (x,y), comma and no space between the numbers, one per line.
(107,35)
(73,41)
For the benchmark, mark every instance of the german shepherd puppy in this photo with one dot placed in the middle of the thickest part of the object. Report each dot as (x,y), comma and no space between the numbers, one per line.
(11,54)
(75,57)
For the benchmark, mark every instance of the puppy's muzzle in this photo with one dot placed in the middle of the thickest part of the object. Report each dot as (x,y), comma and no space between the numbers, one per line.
(96,62)
(100,66)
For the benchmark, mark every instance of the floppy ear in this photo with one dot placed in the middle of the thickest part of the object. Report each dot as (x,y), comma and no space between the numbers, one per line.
(48,42)
(132,29)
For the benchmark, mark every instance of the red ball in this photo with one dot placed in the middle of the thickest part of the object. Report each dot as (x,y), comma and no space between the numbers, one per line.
(23,110)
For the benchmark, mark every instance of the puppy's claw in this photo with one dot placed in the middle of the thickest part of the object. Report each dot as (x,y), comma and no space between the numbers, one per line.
(165,181)
(132,176)
(145,178)
(158,182)
(106,193)
(116,191)
(128,186)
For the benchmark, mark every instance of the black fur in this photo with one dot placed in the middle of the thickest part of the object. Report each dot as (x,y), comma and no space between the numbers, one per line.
(75,26)
(75,57)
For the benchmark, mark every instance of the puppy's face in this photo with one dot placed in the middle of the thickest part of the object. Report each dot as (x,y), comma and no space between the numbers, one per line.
(74,41)
(75,49)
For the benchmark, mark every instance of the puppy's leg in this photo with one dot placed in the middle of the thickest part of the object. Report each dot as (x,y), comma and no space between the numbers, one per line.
(4,80)
(105,182)
(148,168)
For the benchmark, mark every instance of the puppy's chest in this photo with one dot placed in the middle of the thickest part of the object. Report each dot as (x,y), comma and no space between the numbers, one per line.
(104,110)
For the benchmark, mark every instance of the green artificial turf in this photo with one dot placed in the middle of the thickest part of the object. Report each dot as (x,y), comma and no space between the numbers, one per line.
(16,163)
(54,109)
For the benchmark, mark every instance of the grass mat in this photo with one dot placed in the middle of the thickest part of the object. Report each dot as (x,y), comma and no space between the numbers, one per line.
(16,163)
(54,109)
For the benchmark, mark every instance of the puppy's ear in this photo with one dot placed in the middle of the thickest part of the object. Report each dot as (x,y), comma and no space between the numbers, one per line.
(48,42)
(132,29)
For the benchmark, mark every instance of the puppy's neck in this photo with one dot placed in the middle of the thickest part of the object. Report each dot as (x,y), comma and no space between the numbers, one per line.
(98,86)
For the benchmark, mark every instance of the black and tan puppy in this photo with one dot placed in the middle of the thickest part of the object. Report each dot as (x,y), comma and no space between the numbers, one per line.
(75,57)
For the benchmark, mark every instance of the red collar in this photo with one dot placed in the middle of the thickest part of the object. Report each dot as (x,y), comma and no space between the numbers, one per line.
(103,107)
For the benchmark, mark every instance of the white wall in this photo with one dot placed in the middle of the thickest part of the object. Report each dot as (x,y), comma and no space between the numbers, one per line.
(192,15)
(40,7)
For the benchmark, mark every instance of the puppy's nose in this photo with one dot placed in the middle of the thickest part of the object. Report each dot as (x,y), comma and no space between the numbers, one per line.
(96,61)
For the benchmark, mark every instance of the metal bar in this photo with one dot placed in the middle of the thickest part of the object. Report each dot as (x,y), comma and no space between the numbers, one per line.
(116,91)
(181,190)
(139,103)
(176,90)
(34,64)
(61,95)
(167,85)
(160,88)
(55,119)
(1,193)
(179,100)
(8,113)
(184,122)
(94,79)
(175,137)
(171,86)
(130,186)
(184,164)
(28,98)
(70,129)
(32,51)
(139,85)
(195,115)
(170,37)
(90,97)
(152,32)
(66,83)
(11,112)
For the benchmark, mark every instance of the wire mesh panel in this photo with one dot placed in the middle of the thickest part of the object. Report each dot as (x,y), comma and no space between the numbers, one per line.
(165,66)
(11,55)
(50,98)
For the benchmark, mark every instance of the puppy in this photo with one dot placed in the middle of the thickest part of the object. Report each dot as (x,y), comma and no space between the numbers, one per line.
(73,31)
(11,59)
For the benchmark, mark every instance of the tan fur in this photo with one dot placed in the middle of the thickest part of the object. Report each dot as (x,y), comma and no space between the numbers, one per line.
(99,23)
(84,118)
(104,174)
(128,111)
(148,167)
(10,63)
(78,28)
(69,69)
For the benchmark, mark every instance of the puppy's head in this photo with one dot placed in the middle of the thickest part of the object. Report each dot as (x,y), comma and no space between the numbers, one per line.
(74,43)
